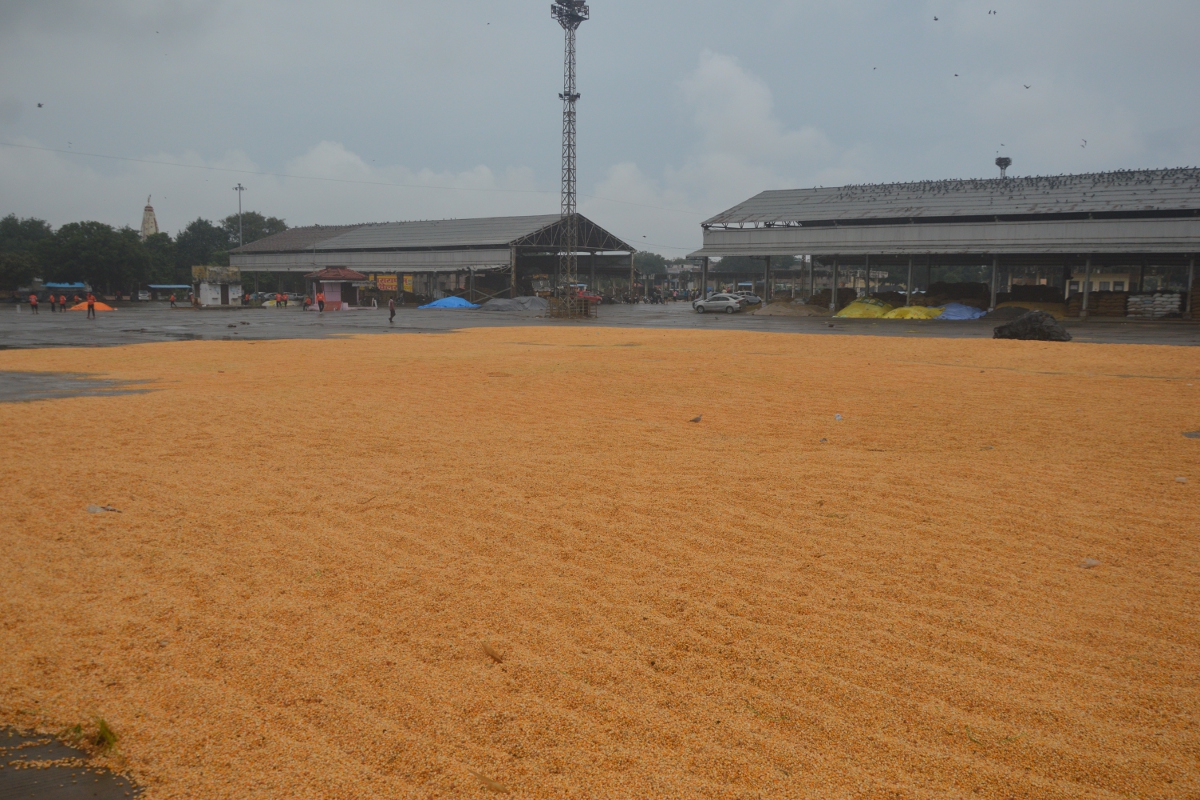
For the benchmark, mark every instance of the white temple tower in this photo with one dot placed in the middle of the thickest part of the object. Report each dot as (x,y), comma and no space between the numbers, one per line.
(149,222)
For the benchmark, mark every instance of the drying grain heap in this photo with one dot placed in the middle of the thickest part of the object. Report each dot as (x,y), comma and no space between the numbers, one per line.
(896,587)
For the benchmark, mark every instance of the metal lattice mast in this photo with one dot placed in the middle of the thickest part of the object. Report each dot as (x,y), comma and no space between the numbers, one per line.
(570,14)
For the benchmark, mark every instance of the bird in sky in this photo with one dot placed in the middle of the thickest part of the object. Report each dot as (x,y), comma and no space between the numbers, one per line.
(935,19)
(1084,143)
(39,105)
(1026,85)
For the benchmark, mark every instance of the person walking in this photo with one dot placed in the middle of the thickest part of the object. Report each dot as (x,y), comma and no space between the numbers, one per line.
(91,308)
(33,303)
(391,310)
(321,302)
(173,300)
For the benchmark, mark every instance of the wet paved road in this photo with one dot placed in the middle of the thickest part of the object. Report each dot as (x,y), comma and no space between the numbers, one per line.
(156,322)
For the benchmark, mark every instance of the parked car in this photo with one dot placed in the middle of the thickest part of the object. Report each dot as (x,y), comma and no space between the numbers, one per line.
(750,297)
(144,296)
(729,303)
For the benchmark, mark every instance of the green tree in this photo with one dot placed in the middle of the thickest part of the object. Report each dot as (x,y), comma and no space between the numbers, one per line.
(22,235)
(19,240)
(650,263)
(16,269)
(254,227)
(200,244)
(160,253)
(97,254)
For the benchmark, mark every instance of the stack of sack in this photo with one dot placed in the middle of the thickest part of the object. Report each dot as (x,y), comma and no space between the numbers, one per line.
(1100,304)
(1154,306)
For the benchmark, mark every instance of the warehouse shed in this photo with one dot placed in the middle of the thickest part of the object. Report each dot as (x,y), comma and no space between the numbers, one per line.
(474,258)
(1133,230)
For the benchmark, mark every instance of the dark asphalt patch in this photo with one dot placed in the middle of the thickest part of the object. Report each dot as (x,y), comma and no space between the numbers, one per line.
(22,387)
(24,772)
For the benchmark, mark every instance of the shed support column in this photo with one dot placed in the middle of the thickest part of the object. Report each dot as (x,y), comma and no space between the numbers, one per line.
(512,260)
(631,287)
(833,287)
(1087,287)
(908,285)
(704,278)
(472,285)
(995,277)
(766,280)
(812,277)
(1191,287)
(867,280)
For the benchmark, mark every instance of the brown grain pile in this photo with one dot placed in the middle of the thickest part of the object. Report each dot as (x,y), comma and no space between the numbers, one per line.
(318,539)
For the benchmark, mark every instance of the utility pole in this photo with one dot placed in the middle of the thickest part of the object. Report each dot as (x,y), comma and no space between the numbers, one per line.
(239,189)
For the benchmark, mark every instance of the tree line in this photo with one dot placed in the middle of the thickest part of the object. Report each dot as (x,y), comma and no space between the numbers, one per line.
(111,258)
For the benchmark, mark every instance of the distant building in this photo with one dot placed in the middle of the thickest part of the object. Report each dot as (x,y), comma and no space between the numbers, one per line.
(217,286)
(149,222)
(1131,232)
(473,258)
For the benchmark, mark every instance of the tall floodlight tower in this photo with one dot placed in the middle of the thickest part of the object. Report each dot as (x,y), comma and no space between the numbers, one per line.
(570,14)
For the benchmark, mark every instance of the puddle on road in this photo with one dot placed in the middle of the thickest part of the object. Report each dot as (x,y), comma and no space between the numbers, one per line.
(21,387)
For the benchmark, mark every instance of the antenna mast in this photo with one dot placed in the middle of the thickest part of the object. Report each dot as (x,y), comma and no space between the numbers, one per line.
(570,14)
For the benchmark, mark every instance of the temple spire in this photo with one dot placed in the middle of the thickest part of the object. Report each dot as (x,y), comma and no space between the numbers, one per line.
(149,222)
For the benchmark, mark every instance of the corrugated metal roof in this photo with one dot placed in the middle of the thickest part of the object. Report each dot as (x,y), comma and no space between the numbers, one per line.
(484,232)
(295,239)
(1103,192)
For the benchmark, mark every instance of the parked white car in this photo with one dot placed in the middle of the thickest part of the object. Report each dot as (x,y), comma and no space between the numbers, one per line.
(729,303)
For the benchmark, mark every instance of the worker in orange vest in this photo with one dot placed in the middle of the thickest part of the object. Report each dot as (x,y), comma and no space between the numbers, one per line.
(321,302)
(62,302)
(33,301)
(173,300)
(91,301)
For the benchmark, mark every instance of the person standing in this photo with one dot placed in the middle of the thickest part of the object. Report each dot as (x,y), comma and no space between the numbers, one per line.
(321,302)
(33,303)
(391,310)
(91,309)
(62,302)
(173,300)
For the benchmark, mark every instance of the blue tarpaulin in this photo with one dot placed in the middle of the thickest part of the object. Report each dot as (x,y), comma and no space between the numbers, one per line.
(959,311)
(450,302)
(78,287)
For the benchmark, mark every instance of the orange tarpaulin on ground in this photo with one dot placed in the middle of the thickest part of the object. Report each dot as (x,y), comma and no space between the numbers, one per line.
(99,307)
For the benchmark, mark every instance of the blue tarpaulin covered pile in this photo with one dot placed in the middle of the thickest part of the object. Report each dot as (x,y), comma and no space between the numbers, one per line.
(959,311)
(450,302)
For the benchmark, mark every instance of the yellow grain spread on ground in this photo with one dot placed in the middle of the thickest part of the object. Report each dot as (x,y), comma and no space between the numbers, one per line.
(319,537)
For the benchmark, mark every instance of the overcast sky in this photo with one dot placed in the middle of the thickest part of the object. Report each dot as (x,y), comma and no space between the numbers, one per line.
(450,109)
